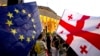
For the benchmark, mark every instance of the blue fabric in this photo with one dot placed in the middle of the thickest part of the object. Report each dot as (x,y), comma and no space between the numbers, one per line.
(10,43)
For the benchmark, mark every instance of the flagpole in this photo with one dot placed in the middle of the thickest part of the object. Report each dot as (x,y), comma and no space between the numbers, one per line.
(68,47)
(46,20)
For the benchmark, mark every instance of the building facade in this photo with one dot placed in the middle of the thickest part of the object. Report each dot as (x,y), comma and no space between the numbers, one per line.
(3,2)
(49,19)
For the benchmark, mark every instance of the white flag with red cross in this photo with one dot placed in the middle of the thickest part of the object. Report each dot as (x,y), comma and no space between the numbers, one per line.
(81,32)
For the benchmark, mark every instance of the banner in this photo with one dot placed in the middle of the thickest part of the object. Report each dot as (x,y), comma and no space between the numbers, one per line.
(81,32)
(19,28)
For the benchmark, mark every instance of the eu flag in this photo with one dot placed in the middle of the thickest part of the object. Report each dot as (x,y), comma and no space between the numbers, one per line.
(19,29)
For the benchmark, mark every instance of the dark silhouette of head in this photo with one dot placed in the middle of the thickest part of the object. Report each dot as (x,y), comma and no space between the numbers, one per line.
(40,36)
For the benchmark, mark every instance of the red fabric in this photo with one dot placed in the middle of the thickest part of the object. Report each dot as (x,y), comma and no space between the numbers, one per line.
(85,34)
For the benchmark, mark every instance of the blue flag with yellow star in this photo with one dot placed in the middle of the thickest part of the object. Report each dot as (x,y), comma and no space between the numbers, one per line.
(19,29)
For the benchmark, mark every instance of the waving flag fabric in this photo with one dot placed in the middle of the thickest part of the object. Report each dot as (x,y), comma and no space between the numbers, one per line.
(19,29)
(81,32)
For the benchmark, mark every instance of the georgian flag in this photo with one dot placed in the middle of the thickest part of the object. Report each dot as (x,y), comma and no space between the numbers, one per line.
(81,32)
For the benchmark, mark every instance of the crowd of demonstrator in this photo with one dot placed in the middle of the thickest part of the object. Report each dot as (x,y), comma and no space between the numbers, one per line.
(50,45)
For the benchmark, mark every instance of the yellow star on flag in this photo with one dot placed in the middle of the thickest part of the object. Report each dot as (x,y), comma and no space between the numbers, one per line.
(24,11)
(34,32)
(34,26)
(21,37)
(29,15)
(9,23)
(13,31)
(28,39)
(10,15)
(16,10)
(32,20)
(32,36)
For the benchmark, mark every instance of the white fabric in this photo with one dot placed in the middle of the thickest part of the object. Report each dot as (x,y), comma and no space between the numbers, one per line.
(89,25)
(78,41)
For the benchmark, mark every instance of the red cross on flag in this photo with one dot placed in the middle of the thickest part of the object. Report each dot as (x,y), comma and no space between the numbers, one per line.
(81,32)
